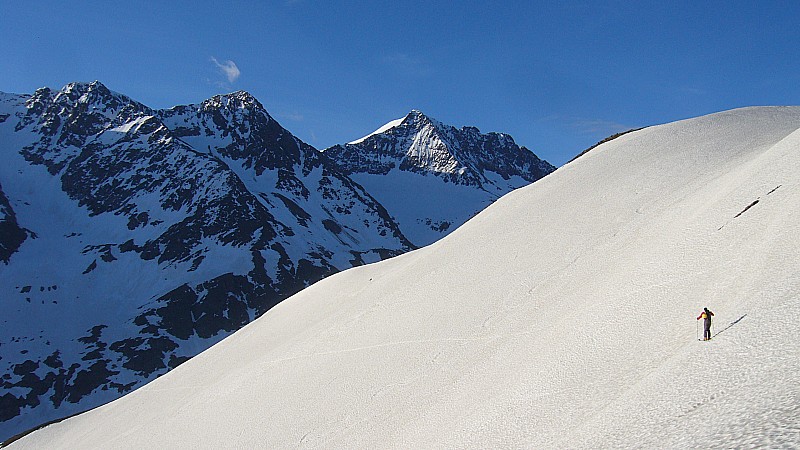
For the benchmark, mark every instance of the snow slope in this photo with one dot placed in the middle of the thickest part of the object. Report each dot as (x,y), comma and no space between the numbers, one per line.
(562,316)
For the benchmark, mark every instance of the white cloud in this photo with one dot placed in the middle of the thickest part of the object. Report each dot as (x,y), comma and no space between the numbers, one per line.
(228,68)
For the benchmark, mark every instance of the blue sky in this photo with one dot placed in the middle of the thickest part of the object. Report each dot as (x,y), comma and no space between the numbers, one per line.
(557,76)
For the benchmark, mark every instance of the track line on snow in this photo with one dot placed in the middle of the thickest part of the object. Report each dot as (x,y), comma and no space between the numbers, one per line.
(396,343)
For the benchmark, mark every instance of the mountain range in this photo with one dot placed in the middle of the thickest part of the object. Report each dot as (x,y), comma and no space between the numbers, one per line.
(134,238)
(561,316)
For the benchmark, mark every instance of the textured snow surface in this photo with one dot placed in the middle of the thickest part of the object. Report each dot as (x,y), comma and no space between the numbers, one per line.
(563,316)
(424,206)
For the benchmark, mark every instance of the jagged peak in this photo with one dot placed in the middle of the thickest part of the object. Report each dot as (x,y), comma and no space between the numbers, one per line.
(235,104)
(93,92)
(504,138)
(85,86)
(240,96)
(414,119)
(418,117)
(85,90)
(234,100)
(42,92)
(75,90)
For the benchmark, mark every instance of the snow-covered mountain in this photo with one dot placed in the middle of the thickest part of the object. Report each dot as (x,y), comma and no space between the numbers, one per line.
(287,175)
(562,316)
(131,239)
(433,177)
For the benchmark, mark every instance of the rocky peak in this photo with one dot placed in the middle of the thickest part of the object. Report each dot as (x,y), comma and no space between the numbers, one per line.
(95,96)
(225,111)
(419,119)
(239,100)
(85,91)
(415,143)
(414,122)
(418,143)
(68,119)
(236,127)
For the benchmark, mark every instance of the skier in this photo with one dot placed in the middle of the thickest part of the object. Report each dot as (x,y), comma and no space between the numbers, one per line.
(706,316)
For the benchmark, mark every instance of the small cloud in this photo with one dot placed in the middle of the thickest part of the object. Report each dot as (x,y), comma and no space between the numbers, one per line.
(228,68)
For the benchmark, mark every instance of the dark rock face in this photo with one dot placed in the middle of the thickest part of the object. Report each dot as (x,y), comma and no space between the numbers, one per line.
(498,153)
(67,119)
(247,132)
(11,235)
(176,228)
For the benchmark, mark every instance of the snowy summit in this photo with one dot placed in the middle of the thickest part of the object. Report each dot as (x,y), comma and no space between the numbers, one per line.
(433,177)
(562,316)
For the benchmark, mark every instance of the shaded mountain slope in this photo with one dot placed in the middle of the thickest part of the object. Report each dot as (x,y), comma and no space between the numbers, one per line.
(127,250)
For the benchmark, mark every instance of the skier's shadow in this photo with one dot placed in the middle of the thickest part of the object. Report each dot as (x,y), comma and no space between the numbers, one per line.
(730,325)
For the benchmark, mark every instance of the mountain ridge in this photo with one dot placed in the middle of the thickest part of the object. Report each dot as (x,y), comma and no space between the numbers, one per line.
(133,237)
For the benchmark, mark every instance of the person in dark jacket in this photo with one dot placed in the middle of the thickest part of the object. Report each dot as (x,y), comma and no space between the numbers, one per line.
(706,316)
